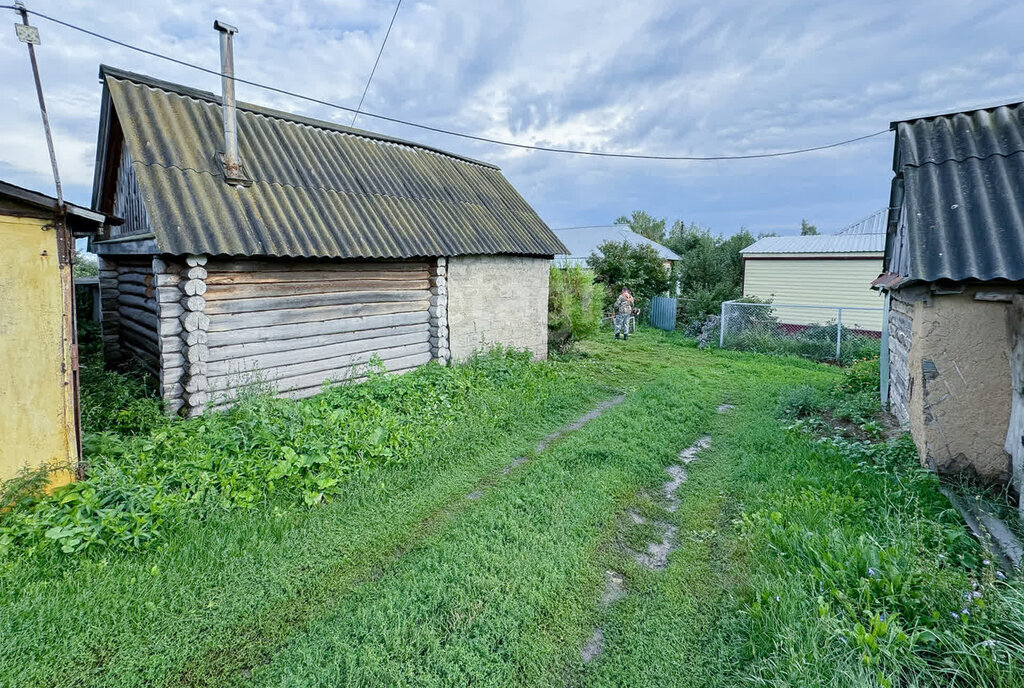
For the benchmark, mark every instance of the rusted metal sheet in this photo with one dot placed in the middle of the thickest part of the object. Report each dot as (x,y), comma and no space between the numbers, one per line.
(319,189)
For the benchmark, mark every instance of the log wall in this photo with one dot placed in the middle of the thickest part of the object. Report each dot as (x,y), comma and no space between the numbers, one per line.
(211,328)
(129,311)
(294,326)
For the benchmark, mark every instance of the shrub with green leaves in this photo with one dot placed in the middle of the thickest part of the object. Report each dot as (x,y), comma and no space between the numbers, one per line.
(574,306)
(140,484)
(637,266)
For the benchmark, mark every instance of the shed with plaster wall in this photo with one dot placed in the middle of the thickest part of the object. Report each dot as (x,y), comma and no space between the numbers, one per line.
(336,246)
(953,274)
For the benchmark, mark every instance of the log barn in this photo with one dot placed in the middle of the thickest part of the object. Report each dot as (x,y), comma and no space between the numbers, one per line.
(259,245)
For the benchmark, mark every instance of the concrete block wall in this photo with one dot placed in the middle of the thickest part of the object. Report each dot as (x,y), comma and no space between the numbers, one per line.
(497,300)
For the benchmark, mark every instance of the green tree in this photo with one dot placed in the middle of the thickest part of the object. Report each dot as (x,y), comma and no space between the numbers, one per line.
(83,267)
(574,306)
(807,229)
(644,225)
(621,264)
(710,269)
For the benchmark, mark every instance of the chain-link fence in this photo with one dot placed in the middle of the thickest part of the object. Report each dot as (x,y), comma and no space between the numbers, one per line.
(821,333)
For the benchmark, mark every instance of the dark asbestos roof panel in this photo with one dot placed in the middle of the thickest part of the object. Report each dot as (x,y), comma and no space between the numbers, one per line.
(963,179)
(320,190)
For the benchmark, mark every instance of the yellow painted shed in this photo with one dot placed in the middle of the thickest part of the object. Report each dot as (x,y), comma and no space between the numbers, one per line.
(826,270)
(38,348)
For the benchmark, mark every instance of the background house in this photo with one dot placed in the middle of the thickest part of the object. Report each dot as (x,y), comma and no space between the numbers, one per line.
(582,241)
(326,247)
(833,270)
(954,274)
(38,349)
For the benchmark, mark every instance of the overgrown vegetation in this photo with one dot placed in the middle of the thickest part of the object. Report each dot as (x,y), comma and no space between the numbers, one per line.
(146,472)
(860,571)
(806,557)
(622,264)
(574,306)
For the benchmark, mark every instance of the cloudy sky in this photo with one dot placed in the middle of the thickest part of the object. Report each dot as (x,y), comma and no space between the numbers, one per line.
(676,78)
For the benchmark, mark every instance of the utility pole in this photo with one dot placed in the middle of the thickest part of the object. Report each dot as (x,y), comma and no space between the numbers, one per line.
(29,35)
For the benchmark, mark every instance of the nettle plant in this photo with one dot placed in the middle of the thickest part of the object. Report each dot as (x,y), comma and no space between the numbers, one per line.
(300,451)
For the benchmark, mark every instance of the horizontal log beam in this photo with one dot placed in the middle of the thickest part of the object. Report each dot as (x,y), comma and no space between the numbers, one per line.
(310,265)
(237,351)
(139,315)
(310,385)
(309,357)
(328,368)
(218,292)
(253,305)
(305,315)
(286,276)
(137,302)
(281,334)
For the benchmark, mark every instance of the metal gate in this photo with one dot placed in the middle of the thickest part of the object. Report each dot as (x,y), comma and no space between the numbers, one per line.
(663,313)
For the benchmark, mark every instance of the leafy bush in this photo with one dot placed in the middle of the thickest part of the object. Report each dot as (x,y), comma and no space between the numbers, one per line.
(710,270)
(638,267)
(862,376)
(574,306)
(121,402)
(799,402)
(140,484)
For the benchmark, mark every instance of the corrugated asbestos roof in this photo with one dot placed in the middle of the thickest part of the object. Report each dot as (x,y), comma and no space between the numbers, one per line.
(582,241)
(820,243)
(962,179)
(319,189)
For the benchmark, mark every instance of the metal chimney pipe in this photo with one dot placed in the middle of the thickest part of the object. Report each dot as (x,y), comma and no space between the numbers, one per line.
(232,170)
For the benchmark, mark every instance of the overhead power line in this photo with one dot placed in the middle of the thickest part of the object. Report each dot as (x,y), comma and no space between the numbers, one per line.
(441,130)
(375,63)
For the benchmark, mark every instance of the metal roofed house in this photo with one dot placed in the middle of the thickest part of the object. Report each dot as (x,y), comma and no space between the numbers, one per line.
(582,241)
(821,270)
(297,257)
(953,277)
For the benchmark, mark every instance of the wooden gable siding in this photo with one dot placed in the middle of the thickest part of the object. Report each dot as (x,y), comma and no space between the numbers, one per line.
(128,203)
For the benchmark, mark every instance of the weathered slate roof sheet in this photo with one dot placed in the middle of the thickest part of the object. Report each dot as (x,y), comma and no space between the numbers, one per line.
(962,178)
(319,189)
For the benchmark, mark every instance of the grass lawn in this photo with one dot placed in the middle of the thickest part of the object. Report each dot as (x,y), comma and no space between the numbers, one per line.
(796,561)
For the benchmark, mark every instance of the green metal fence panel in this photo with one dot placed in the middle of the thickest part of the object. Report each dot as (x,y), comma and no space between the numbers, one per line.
(663,313)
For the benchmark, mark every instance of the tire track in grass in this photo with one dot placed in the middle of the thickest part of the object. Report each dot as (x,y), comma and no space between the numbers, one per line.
(254,646)
(657,553)
(503,593)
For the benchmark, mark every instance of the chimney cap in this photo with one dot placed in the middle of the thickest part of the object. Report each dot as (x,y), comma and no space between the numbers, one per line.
(224,28)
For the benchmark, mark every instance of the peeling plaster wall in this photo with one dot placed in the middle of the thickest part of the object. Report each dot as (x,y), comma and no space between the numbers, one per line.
(958,392)
(1015,432)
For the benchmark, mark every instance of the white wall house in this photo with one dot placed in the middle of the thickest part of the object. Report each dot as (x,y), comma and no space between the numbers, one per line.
(820,270)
